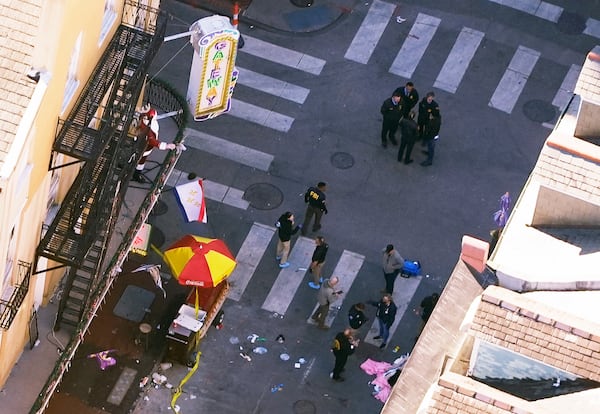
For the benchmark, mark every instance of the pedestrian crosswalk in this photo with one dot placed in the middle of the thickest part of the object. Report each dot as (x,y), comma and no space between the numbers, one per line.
(420,40)
(279,88)
(415,45)
(292,280)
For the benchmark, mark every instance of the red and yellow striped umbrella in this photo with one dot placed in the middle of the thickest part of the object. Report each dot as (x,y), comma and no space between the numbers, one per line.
(199,261)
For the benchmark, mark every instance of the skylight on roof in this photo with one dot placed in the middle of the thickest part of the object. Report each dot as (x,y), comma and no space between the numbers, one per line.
(522,376)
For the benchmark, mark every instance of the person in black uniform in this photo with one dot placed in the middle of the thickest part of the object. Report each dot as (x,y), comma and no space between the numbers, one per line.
(430,136)
(427,107)
(391,109)
(356,315)
(343,346)
(315,198)
(409,95)
(408,129)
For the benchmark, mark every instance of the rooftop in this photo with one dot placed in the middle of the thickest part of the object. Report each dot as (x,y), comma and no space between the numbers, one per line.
(19,20)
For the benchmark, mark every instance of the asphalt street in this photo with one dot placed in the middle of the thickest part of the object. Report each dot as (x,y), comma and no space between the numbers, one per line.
(497,107)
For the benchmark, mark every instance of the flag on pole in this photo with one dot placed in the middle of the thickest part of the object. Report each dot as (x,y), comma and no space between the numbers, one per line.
(191,200)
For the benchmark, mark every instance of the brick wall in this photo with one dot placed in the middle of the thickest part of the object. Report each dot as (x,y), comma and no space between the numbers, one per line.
(538,331)
(554,208)
(588,121)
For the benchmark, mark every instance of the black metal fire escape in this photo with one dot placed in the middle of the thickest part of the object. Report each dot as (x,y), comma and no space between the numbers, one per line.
(80,233)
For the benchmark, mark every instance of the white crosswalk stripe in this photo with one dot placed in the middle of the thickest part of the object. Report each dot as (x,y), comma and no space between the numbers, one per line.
(248,258)
(282,55)
(370,31)
(415,45)
(261,116)
(404,290)
(458,61)
(514,79)
(346,270)
(283,290)
(567,88)
(272,86)
(536,8)
(228,150)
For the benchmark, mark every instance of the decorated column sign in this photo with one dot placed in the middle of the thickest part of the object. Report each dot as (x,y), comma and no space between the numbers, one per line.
(213,74)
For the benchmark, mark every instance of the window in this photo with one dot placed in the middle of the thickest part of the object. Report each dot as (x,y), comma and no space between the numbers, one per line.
(110,15)
(522,376)
(10,259)
(72,81)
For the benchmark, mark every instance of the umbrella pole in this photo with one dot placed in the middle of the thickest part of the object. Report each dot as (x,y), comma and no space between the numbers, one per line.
(162,256)
(197,302)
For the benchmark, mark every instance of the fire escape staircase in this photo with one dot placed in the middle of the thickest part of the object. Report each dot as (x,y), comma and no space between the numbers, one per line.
(80,233)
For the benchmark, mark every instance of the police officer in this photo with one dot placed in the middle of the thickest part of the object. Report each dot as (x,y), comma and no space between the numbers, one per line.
(428,108)
(315,198)
(409,95)
(391,109)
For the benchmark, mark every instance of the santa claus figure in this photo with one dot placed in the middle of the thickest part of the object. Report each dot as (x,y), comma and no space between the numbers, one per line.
(149,127)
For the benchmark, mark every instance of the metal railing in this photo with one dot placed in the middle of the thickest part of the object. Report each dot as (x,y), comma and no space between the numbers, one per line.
(175,103)
(9,308)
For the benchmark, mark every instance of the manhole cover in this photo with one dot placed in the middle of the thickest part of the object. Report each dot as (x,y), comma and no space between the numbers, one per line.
(571,23)
(539,111)
(342,160)
(263,196)
(304,407)
(160,208)
(302,3)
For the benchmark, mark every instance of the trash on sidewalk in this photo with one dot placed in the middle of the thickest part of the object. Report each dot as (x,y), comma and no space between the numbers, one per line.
(400,19)
(254,337)
(245,356)
(260,350)
(158,379)
(144,381)
(280,338)
(165,366)
(234,340)
(276,388)
(104,359)
(284,357)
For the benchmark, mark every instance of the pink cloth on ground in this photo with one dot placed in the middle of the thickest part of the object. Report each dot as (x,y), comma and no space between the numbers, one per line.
(379,369)
(374,367)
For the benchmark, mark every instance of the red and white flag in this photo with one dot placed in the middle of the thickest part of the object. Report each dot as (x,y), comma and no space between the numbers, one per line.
(191,199)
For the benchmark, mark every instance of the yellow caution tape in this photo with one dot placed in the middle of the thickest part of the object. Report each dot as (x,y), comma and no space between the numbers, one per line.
(185,379)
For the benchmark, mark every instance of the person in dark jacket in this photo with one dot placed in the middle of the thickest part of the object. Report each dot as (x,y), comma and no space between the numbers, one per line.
(356,315)
(391,109)
(285,224)
(386,314)
(409,95)
(317,261)
(430,136)
(315,200)
(427,306)
(343,346)
(408,128)
(427,107)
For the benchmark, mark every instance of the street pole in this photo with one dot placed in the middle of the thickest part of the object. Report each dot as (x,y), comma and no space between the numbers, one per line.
(235,21)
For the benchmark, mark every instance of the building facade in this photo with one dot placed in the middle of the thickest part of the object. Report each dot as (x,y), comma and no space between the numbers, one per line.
(63,112)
